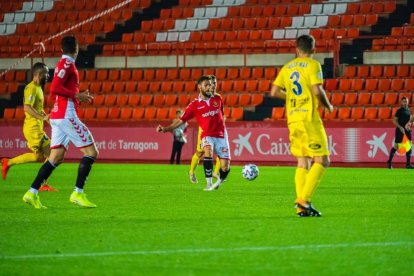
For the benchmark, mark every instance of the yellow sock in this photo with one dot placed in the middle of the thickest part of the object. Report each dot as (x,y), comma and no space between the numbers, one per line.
(24,158)
(312,180)
(300,180)
(194,162)
(217,166)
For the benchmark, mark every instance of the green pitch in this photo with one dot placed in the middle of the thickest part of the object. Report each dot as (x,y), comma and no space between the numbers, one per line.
(151,220)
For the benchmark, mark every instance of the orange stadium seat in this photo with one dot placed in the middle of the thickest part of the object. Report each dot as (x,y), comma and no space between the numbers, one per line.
(236,113)
(337,98)
(98,100)
(397,84)
(384,84)
(121,99)
(133,99)
(101,113)
(384,113)
(256,99)
(231,99)
(146,99)
(110,100)
(377,98)
(350,98)
(364,98)
(357,113)
(114,113)
(331,84)
(390,98)
(331,115)
(159,100)
(150,113)
(357,84)
(90,113)
(278,113)
(126,113)
(162,113)
(344,84)
(9,113)
(370,84)
(119,87)
(363,71)
(375,71)
(137,113)
(183,100)
(370,113)
(170,99)
(344,113)
(389,71)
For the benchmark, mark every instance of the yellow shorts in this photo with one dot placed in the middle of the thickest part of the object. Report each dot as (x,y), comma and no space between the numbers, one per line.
(36,137)
(308,139)
(198,147)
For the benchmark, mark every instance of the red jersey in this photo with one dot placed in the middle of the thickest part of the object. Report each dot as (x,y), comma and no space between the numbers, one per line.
(208,114)
(65,86)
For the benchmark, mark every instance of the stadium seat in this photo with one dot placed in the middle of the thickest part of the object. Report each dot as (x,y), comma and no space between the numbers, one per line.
(231,99)
(337,98)
(244,99)
(150,113)
(344,85)
(89,113)
(344,113)
(357,84)
(377,98)
(137,113)
(121,99)
(384,113)
(9,113)
(236,113)
(163,113)
(146,99)
(159,100)
(363,71)
(101,113)
(350,98)
(390,98)
(331,115)
(370,113)
(110,100)
(331,84)
(114,113)
(256,99)
(397,84)
(357,113)
(370,84)
(278,113)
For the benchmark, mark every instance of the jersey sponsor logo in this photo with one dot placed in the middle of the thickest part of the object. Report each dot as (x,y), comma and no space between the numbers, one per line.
(61,73)
(211,113)
(314,146)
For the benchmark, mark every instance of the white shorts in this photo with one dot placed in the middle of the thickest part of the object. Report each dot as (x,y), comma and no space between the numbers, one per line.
(70,130)
(219,145)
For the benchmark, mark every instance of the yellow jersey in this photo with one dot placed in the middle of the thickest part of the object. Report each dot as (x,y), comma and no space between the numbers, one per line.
(33,96)
(297,78)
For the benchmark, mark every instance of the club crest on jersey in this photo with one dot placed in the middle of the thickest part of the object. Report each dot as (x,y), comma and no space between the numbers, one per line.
(215,104)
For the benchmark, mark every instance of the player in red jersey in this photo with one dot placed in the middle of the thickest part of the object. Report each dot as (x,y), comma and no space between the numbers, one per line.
(66,127)
(207,109)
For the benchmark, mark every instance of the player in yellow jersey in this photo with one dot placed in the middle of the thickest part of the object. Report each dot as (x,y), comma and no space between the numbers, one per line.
(36,137)
(300,84)
(199,151)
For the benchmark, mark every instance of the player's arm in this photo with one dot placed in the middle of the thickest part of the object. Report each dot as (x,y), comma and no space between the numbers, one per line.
(33,112)
(172,126)
(319,92)
(278,92)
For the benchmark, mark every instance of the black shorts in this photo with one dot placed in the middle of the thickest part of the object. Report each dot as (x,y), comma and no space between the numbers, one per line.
(399,135)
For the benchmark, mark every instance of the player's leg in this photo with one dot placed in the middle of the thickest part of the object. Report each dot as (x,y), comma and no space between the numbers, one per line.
(222,148)
(216,172)
(58,145)
(301,172)
(31,196)
(43,156)
(85,142)
(35,140)
(207,145)
(196,158)
(173,152)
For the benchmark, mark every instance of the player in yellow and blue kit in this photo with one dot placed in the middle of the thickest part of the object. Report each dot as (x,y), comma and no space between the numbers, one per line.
(37,140)
(300,84)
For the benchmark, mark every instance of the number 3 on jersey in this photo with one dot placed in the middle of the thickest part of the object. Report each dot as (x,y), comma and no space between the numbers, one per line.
(295,77)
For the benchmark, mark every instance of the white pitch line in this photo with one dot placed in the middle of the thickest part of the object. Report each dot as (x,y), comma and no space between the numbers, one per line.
(209,250)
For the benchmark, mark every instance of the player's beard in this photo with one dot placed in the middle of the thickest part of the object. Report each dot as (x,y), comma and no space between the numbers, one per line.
(207,93)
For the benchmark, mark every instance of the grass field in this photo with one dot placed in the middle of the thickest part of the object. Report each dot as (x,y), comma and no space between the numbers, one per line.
(151,220)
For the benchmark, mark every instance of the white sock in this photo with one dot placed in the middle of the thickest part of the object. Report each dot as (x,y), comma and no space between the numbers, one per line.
(78,190)
(209,181)
(33,191)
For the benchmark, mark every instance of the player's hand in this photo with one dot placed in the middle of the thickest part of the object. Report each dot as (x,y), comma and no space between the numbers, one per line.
(330,108)
(84,97)
(160,129)
(408,126)
(402,129)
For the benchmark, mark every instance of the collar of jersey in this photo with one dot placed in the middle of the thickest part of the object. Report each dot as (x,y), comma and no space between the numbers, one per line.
(69,58)
(200,99)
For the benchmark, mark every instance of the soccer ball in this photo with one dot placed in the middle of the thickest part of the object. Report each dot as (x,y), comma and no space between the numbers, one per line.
(250,172)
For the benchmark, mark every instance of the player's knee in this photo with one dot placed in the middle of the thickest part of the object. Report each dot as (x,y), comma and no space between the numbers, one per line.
(225,167)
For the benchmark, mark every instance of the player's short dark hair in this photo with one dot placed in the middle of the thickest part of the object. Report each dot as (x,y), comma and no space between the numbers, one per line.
(37,67)
(203,78)
(305,43)
(178,111)
(212,77)
(404,98)
(69,44)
